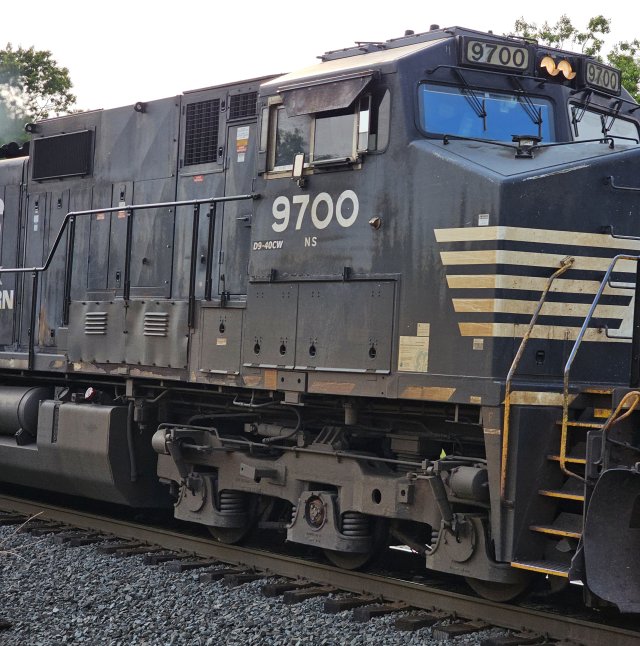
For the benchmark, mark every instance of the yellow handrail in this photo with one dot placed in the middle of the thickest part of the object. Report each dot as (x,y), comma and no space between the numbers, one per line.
(565,264)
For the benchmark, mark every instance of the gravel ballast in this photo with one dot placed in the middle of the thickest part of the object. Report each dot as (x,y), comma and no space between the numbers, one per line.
(53,594)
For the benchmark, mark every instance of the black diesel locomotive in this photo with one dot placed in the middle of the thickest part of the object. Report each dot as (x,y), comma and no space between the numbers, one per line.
(389,299)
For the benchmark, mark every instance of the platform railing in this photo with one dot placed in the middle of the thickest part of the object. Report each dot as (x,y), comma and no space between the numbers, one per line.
(69,222)
(572,355)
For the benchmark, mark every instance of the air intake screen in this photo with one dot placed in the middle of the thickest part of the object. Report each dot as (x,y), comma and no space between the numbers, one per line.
(201,141)
(62,155)
(243,105)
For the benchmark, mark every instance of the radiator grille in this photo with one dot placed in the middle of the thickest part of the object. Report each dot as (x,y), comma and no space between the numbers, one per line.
(63,155)
(95,323)
(201,138)
(156,324)
(243,105)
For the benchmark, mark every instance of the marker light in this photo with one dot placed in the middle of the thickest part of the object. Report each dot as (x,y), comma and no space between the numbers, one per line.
(566,69)
(554,69)
(550,65)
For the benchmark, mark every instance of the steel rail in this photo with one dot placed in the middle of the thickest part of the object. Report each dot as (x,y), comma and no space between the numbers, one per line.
(556,626)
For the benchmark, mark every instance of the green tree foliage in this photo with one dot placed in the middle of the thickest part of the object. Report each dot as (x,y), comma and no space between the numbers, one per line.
(32,86)
(624,55)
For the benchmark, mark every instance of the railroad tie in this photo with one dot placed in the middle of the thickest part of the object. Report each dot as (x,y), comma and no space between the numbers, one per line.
(420,620)
(53,528)
(76,536)
(162,556)
(234,580)
(85,540)
(134,551)
(221,573)
(297,596)
(271,590)
(365,613)
(333,606)
(458,629)
(13,519)
(517,639)
(118,545)
(184,566)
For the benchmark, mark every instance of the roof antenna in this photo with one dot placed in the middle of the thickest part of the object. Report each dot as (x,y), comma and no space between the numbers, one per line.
(409,32)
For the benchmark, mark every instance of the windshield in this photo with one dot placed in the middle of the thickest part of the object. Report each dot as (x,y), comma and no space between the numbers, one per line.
(588,124)
(457,111)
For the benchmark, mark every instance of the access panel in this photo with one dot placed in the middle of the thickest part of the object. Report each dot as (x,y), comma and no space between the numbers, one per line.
(345,326)
(269,338)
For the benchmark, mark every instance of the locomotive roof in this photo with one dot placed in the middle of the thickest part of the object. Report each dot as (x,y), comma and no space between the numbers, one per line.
(385,58)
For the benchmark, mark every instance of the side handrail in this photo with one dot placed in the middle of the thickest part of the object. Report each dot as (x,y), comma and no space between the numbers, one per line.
(572,356)
(565,264)
(69,222)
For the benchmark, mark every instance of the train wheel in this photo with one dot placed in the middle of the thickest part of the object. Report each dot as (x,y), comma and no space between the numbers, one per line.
(349,560)
(230,535)
(497,591)
(356,560)
(234,503)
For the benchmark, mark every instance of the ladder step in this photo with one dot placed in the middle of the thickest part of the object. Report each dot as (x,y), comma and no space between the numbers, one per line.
(597,391)
(559,493)
(580,424)
(570,460)
(566,525)
(544,567)
(576,455)
(554,531)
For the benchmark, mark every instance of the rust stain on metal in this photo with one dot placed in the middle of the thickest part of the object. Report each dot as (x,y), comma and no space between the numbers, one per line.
(332,387)
(14,363)
(428,392)
(533,398)
(271,379)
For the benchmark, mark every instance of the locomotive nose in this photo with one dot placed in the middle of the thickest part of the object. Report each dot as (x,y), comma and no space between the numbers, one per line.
(612,539)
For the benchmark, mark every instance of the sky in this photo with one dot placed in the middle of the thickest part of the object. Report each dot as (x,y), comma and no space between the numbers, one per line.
(136,50)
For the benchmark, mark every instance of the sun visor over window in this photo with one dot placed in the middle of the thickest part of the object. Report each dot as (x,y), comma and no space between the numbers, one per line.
(324,95)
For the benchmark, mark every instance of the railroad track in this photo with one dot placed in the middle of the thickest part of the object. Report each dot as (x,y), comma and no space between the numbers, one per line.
(397,593)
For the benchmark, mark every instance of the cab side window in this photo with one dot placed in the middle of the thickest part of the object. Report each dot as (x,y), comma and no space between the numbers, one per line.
(330,137)
(292,138)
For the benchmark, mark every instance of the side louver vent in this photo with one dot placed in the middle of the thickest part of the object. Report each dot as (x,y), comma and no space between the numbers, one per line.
(65,155)
(243,105)
(95,323)
(156,324)
(201,138)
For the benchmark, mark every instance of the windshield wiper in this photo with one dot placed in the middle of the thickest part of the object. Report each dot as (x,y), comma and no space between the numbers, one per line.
(477,105)
(524,100)
(577,113)
(603,117)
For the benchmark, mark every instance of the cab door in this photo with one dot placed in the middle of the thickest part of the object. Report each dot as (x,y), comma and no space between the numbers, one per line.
(236,222)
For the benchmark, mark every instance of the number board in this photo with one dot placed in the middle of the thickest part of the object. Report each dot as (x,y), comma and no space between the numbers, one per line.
(602,77)
(486,53)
